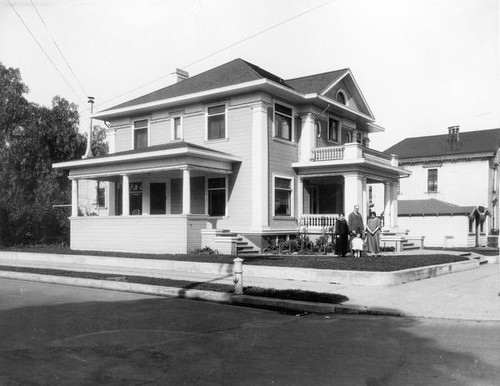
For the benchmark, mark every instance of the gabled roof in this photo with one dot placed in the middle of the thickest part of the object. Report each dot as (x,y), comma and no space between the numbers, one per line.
(318,83)
(235,72)
(482,141)
(431,207)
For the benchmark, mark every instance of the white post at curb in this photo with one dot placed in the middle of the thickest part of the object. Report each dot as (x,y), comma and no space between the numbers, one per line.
(238,276)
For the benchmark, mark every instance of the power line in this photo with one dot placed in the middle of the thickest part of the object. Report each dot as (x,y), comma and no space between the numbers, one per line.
(223,49)
(45,53)
(58,49)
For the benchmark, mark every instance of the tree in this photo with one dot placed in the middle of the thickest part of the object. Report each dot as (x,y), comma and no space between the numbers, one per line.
(33,138)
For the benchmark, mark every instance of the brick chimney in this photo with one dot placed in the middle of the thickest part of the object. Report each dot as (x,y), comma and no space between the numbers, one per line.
(178,75)
(454,137)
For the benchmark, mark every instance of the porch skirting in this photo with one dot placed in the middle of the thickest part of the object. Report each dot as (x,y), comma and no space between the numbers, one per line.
(138,234)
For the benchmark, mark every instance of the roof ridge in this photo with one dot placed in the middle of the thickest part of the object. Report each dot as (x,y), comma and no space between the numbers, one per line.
(319,74)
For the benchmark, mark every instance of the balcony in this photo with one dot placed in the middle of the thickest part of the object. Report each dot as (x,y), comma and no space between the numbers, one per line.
(351,152)
(344,157)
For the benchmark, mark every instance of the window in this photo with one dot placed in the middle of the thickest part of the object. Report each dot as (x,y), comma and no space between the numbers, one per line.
(177,128)
(341,98)
(141,134)
(101,196)
(283,122)
(216,122)
(358,138)
(282,196)
(217,196)
(432,180)
(348,137)
(333,129)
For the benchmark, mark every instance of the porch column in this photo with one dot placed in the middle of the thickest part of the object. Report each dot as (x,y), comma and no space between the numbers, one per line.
(125,195)
(186,191)
(111,198)
(260,175)
(353,193)
(307,141)
(387,204)
(74,198)
(391,204)
(394,204)
(365,198)
(300,197)
(146,196)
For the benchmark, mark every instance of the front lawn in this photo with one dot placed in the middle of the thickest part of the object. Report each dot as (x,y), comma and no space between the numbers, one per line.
(389,262)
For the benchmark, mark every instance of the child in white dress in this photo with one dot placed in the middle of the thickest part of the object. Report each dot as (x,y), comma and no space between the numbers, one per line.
(357,245)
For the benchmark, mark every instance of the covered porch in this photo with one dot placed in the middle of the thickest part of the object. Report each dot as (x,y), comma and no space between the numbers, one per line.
(335,179)
(159,198)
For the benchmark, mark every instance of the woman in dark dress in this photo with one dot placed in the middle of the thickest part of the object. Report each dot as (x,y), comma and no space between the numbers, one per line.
(342,233)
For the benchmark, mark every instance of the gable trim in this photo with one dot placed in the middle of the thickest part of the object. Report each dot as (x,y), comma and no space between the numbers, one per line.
(337,81)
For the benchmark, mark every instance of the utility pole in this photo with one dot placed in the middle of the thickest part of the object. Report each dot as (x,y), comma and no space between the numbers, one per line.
(88,152)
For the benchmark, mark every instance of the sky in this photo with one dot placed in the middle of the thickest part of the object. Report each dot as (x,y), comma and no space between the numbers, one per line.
(422,65)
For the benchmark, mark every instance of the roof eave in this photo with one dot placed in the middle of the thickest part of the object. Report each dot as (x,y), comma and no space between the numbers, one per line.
(259,84)
(143,156)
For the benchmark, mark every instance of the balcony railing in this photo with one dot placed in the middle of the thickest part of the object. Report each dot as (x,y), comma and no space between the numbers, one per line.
(327,153)
(352,152)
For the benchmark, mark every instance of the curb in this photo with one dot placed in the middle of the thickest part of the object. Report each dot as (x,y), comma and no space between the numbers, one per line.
(193,294)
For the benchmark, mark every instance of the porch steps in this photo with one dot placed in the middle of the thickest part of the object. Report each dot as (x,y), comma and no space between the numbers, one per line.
(242,246)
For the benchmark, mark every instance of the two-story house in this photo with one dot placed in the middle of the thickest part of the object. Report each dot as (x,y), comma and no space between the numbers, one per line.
(451,197)
(234,151)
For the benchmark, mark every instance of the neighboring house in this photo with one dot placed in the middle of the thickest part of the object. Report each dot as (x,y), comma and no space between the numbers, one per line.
(232,153)
(451,197)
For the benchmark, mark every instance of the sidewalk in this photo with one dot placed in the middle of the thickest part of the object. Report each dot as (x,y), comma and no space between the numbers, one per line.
(468,295)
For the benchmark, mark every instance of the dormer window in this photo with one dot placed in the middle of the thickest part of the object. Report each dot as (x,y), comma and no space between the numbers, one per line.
(141,134)
(341,98)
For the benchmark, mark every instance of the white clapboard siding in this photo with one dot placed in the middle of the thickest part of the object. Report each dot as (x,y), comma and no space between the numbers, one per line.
(439,231)
(140,234)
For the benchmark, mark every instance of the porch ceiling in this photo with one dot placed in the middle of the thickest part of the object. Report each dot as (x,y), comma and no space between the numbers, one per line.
(165,158)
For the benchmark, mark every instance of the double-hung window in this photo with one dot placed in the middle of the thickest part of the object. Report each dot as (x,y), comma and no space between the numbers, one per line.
(177,128)
(283,118)
(333,130)
(216,196)
(282,196)
(432,180)
(216,122)
(141,134)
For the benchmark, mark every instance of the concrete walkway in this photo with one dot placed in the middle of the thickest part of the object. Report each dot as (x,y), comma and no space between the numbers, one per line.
(468,295)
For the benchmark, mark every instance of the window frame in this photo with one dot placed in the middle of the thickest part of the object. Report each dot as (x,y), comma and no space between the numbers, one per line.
(134,129)
(181,127)
(207,126)
(292,121)
(207,195)
(432,188)
(344,96)
(291,197)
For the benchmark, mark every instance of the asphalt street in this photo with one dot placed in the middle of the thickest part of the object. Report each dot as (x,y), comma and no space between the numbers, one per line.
(61,335)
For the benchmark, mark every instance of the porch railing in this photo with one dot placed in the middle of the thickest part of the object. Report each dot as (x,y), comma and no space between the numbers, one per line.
(318,220)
